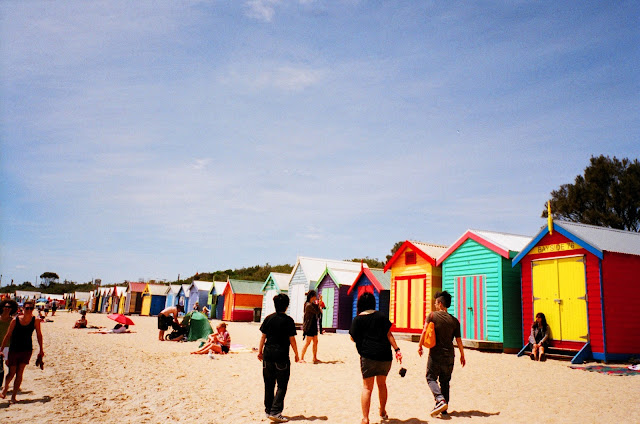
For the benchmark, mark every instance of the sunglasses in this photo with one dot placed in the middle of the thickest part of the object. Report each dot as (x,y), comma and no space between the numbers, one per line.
(6,306)
(28,307)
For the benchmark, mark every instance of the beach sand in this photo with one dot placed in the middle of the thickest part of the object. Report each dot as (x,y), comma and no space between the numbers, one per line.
(134,378)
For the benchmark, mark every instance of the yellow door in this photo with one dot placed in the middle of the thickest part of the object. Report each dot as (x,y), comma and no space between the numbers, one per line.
(573,300)
(545,293)
(417,304)
(559,291)
(146,305)
(402,304)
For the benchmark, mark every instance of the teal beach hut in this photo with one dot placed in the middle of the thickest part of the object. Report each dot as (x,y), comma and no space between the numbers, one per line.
(485,288)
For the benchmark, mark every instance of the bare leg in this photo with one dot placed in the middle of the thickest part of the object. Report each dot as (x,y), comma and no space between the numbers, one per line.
(381,380)
(7,381)
(534,352)
(541,350)
(17,382)
(315,349)
(304,348)
(204,349)
(161,335)
(365,398)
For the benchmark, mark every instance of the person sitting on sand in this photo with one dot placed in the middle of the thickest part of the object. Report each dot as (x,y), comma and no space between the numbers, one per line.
(539,337)
(82,322)
(168,317)
(119,328)
(219,342)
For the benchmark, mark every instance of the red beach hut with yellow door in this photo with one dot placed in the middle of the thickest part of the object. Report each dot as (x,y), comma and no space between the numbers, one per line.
(586,280)
(415,278)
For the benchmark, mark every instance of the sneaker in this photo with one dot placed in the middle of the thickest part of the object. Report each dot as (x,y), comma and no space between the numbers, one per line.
(441,405)
(278,418)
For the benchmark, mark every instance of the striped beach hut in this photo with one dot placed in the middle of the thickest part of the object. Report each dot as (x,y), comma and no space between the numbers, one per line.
(485,288)
(133,303)
(371,280)
(585,280)
(241,297)
(414,280)
(276,283)
(154,298)
(199,292)
(172,295)
(333,285)
(116,295)
(305,275)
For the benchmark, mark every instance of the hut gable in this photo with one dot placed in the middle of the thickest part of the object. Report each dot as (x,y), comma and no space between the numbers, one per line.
(504,244)
(136,287)
(279,281)
(426,251)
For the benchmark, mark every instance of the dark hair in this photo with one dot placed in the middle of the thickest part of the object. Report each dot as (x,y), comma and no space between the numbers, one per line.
(281,302)
(12,303)
(543,323)
(310,294)
(366,301)
(443,297)
(180,308)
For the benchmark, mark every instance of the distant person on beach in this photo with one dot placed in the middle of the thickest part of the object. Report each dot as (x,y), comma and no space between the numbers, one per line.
(19,340)
(168,317)
(310,325)
(218,342)
(54,307)
(196,307)
(442,355)
(82,322)
(278,333)
(321,306)
(8,308)
(539,337)
(371,331)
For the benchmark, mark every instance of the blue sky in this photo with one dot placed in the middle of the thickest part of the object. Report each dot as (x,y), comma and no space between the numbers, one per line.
(151,139)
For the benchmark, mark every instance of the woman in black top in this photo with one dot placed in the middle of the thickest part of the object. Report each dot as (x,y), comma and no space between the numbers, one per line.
(20,333)
(539,337)
(371,331)
(310,325)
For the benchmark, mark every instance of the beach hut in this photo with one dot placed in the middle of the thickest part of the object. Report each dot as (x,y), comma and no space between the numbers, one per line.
(485,288)
(585,280)
(172,295)
(217,297)
(116,294)
(123,301)
(154,298)
(199,292)
(276,283)
(241,297)
(81,299)
(305,275)
(333,285)
(374,281)
(133,304)
(183,296)
(414,280)
(105,298)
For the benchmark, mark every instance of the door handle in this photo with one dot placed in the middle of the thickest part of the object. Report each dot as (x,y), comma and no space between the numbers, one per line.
(557,300)
(470,308)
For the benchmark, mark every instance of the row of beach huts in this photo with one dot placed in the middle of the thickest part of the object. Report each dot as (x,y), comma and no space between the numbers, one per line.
(585,279)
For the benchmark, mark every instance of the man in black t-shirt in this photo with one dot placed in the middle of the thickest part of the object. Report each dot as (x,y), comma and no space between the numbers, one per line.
(442,355)
(278,333)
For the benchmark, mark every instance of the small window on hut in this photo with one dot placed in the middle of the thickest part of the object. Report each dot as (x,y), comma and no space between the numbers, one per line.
(410,258)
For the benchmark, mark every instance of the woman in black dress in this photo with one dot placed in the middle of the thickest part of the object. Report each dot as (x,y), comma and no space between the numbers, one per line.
(310,325)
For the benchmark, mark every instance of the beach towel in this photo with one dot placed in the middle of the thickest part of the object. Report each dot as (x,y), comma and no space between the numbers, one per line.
(238,348)
(604,369)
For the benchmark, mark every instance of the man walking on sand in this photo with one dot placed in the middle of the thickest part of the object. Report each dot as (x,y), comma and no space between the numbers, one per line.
(165,319)
(442,355)
(278,333)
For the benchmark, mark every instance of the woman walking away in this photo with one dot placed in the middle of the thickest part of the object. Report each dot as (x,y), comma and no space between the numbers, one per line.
(539,337)
(310,325)
(20,335)
(371,331)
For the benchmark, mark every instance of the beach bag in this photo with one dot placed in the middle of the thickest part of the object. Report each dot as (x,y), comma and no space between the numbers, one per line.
(430,336)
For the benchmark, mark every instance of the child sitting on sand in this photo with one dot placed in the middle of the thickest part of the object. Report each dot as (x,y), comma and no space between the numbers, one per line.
(219,342)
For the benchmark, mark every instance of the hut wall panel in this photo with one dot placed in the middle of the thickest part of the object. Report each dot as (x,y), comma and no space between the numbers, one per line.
(297,297)
(594,303)
(621,275)
(344,308)
(512,305)
(248,301)
(327,282)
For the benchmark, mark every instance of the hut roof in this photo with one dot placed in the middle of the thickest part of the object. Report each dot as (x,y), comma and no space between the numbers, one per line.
(137,287)
(340,276)
(245,287)
(158,289)
(314,267)
(219,287)
(281,280)
(428,251)
(504,244)
(173,289)
(27,293)
(202,285)
(594,239)
(380,280)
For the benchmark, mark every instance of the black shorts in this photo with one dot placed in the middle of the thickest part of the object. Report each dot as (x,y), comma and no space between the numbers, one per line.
(225,349)
(372,368)
(17,358)
(164,322)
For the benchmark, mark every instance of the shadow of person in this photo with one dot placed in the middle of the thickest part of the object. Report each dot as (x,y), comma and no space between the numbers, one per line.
(407,421)
(43,399)
(330,362)
(305,418)
(471,414)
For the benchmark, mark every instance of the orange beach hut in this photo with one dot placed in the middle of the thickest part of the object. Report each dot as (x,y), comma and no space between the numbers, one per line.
(241,297)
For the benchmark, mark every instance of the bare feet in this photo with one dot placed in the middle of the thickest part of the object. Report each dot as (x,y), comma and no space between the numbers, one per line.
(3,395)
(316,361)
(364,421)
(383,414)
(13,400)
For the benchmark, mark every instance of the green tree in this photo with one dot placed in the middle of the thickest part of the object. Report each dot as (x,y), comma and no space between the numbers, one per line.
(394,249)
(371,262)
(607,195)
(47,278)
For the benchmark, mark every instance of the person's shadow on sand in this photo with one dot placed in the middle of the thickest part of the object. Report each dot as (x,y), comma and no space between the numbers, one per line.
(43,399)
(468,414)
(305,418)
(407,421)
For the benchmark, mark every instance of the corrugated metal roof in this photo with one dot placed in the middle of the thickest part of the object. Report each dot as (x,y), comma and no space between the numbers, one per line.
(314,267)
(137,287)
(512,242)
(246,286)
(173,289)
(433,250)
(202,285)
(345,277)
(604,239)
(383,278)
(158,289)
(281,279)
(220,286)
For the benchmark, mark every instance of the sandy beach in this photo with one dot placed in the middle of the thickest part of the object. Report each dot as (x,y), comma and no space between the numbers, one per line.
(134,378)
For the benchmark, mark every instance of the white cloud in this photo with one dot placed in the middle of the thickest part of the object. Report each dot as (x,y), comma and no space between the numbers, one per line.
(201,163)
(262,10)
